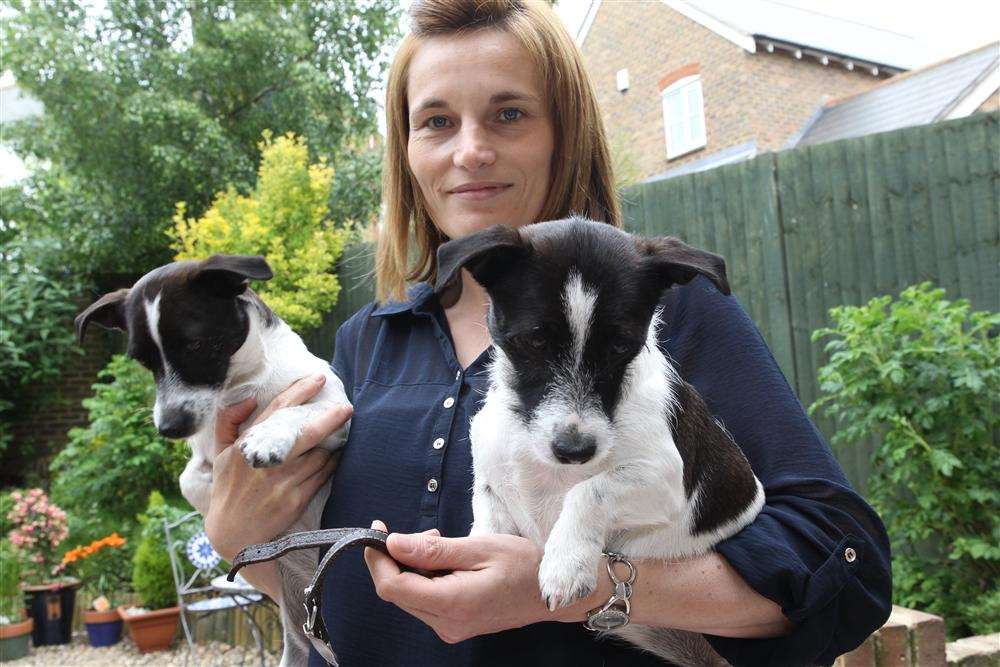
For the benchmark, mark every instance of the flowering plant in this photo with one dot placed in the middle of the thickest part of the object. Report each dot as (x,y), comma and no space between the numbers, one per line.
(102,565)
(38,528)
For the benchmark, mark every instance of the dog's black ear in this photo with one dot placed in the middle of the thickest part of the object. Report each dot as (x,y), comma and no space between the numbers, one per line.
(675,262)
(108,311)
(485,254)
(228,275)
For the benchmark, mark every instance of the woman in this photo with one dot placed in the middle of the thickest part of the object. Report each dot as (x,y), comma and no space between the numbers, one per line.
(491,119)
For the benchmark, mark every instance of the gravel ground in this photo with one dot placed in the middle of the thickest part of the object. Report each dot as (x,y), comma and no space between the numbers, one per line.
(124,653)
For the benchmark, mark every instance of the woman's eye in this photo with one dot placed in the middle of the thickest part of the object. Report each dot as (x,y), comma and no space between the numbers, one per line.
(510,115)
(437,122)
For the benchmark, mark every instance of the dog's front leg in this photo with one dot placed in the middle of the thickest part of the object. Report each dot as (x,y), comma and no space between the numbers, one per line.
(568,571)
(490,514)
(270,442)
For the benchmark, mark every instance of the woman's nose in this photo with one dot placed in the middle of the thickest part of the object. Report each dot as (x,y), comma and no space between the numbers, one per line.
(474,150)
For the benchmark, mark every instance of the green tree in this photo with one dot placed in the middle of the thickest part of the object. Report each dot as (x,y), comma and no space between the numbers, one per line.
(158,101)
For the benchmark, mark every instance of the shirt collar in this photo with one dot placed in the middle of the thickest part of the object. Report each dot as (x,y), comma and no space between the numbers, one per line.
(420,300)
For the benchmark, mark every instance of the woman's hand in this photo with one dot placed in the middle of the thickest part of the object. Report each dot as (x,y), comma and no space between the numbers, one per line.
(252,505)
(491,583)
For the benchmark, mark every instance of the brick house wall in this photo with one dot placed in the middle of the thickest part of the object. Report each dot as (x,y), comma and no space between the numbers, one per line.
(747,96)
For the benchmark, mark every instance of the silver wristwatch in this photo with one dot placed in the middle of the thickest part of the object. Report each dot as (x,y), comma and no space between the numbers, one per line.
(614,613)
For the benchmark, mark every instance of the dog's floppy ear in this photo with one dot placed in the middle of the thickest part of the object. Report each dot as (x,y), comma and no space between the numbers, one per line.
(108,311)
(227,275)
(675,262)
(485,254)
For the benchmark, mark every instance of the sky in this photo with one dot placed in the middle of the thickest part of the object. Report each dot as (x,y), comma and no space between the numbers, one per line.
(945,28)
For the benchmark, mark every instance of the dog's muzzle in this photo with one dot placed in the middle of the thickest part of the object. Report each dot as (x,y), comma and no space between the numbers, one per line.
(571,446)
(338,539)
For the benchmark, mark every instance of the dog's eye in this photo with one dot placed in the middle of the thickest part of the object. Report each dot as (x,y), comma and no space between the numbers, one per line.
(536,341)
(193,346)
(620,348)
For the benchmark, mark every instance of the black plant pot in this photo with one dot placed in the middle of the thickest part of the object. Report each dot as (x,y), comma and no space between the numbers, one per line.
(51,607)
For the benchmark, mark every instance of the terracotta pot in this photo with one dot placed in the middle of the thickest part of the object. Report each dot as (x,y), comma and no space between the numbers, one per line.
(104,628)
(154,630)
(14,639)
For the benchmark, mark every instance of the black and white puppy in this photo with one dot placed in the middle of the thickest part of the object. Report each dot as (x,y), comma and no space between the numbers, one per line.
(211,342)
(589,439)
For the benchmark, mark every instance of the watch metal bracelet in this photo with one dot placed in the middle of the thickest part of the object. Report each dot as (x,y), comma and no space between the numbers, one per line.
(615,612)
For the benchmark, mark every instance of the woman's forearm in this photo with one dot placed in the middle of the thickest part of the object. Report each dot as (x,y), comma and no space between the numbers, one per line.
(701,594)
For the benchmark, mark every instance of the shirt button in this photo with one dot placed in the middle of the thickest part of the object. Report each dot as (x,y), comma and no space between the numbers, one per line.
(432,485)
(438,444)
(448,402)
(458,375)
(850,555)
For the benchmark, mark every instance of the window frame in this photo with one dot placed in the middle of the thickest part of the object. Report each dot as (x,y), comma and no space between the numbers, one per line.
(692,142)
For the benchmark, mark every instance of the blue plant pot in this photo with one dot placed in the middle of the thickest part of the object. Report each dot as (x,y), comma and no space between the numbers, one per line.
(105,634)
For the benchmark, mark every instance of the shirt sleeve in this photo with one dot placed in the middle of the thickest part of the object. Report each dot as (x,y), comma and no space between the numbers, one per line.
(817,548)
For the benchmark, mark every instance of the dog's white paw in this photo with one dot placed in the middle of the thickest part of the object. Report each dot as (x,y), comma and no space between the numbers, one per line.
(266,445)
(567,575)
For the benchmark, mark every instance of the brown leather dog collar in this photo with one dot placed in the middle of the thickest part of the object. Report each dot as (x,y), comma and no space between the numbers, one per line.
(338,539)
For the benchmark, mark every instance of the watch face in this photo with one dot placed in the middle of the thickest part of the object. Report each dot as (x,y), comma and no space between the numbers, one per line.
(609,619)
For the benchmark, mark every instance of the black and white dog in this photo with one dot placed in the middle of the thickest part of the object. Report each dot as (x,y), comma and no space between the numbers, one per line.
(210,342)
(589,439)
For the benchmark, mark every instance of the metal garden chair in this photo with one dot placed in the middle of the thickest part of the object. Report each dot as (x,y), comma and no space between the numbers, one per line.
(196,596)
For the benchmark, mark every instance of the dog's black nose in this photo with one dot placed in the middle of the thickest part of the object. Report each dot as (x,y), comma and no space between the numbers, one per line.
(571,446)
(177,425)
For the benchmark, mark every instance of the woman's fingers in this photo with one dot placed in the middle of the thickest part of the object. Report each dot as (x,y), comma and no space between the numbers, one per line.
(227,424)
(297,393)
(321,426)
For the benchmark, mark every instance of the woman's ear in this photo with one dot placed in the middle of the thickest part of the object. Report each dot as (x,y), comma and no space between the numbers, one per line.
(675,262)
(485,254)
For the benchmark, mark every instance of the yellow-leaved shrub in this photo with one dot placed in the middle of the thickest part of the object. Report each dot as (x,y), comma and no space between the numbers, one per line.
(283,219)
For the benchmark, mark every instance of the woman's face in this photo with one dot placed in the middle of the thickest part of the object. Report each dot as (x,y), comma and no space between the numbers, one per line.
(481,138)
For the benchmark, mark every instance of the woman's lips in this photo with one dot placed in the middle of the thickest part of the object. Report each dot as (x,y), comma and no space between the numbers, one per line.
(478,194)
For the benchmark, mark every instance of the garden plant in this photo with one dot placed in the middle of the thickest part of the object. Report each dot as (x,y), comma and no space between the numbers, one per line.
(921,374)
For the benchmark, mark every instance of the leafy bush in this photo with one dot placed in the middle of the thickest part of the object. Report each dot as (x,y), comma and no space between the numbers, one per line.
(36,331)
(152,577)
(284,219)
(922,375)
(11,597)
(108,468)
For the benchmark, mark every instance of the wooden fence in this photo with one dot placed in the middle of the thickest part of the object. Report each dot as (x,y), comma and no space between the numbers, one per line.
(807,229)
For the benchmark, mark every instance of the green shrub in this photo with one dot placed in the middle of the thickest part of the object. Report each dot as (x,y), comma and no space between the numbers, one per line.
(922,375)
(286,218)
(152,577)
(11,597)
(108,468)
(36,332)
